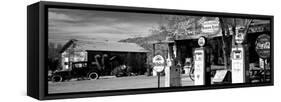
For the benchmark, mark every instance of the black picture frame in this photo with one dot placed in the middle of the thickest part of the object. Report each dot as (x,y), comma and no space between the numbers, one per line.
(37,45)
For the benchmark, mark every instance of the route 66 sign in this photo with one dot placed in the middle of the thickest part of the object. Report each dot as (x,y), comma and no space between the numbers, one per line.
(159,63)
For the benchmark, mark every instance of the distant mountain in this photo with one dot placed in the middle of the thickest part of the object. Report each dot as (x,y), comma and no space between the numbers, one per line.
(146,42)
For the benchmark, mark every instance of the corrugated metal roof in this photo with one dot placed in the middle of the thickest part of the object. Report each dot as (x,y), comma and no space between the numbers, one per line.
(257,22)
(109,46)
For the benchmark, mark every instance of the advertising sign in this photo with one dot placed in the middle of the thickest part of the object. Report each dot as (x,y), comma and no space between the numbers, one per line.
(219,76)
(199,67)
(238,70)
(263,46)
(209,29)
(210,26)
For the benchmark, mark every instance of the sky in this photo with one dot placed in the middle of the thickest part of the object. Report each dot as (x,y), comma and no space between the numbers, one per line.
(99,26)
(65,24)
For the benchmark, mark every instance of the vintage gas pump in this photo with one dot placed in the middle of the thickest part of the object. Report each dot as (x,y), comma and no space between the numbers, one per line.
(175,69)
(239,63)
(201,67)
(172,70)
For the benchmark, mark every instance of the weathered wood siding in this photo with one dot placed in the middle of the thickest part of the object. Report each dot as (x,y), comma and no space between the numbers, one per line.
(72,54)
(110,60)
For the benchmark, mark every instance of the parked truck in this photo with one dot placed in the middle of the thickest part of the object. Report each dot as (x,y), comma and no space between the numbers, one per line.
(79,70)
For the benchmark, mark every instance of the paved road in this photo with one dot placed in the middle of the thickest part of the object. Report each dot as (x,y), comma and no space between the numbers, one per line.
(132,82)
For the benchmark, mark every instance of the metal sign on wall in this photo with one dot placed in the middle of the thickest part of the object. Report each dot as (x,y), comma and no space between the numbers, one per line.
(209,29)
(263,46)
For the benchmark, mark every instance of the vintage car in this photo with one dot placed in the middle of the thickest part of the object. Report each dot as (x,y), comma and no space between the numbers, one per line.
(79,70)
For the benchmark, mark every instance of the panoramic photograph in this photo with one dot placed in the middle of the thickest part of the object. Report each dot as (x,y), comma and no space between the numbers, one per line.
(95,50)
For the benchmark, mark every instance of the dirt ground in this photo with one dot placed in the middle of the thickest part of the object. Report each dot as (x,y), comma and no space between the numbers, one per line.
(112,83)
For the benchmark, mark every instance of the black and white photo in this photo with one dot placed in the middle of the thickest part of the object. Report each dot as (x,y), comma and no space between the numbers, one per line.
(91,50)
(82,50)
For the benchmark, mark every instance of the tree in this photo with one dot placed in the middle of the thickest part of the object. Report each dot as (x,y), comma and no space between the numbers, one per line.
(54,56)
(191,25)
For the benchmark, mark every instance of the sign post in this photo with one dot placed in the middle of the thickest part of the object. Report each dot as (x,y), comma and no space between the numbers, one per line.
(263,50)
(159,65)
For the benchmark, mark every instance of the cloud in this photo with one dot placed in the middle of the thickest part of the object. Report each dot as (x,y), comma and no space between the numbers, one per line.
(59,16)
(104,25)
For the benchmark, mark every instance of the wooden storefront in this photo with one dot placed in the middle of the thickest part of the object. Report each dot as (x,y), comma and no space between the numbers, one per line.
(185,45)
(108,55)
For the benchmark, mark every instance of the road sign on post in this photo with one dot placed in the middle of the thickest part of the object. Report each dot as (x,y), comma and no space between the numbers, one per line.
(159,63)
(158,66)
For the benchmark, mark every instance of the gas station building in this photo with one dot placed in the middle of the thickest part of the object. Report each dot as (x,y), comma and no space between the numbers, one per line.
(185,45)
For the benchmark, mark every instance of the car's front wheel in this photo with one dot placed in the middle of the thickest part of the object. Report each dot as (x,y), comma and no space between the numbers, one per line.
(93,75)
(57,78)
